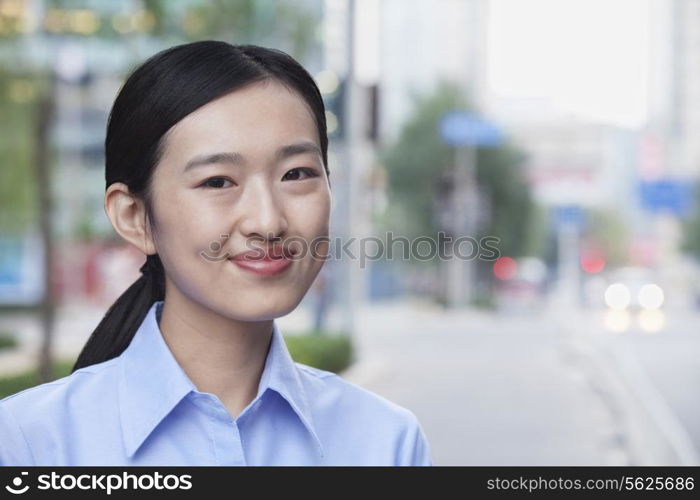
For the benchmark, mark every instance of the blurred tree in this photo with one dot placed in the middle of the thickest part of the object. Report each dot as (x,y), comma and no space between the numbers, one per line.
(278,23)
(419,166)
(691,229)
(608,232)
(17,183)
(514,218)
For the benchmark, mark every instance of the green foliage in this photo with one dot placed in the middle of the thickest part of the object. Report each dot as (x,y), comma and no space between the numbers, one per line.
(327,352)
(16,383)
(535,244)
(17,189)
(280,24)
(7,341)
(512,212)
(609,232)
(416,161)
(483,299)
(691,229)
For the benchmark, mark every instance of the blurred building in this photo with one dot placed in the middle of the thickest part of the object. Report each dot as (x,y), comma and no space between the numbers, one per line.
(674,102)
(669,151)
(582,163)
(422,42)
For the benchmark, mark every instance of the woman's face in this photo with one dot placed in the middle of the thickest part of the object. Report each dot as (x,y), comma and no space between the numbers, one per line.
(224,185)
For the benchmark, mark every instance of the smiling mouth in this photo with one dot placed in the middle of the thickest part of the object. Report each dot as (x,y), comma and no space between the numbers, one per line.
(263,266)
(277,252)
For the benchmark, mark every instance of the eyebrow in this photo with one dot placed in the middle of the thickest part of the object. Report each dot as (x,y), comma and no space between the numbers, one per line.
(234,158)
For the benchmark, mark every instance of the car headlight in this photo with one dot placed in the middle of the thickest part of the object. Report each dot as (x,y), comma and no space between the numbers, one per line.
(617,296)
(650,296)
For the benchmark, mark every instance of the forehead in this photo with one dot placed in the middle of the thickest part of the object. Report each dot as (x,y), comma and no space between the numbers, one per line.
(254,119)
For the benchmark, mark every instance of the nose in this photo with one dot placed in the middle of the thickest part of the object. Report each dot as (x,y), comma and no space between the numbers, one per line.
(261,212)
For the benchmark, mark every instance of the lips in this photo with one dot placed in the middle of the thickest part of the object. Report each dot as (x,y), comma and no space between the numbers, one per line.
(263,263)
(274,253)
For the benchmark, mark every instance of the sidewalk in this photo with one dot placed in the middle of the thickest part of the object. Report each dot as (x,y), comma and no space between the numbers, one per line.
(73,326)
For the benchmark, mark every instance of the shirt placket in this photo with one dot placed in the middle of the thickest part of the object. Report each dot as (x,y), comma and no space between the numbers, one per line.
(224,431)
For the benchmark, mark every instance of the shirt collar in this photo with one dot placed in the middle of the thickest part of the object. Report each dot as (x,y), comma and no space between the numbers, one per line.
(152,383)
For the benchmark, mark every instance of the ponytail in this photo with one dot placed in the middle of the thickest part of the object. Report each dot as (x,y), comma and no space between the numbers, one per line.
(114,333)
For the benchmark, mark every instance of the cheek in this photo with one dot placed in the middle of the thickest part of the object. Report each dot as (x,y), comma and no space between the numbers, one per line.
(310,237)
(187,227)
(189,243)
(310,215)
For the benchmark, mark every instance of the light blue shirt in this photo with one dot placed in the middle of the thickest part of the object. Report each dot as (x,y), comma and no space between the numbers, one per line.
(140,408)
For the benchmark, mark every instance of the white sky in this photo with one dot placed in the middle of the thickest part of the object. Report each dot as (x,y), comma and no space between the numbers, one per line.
(590,57)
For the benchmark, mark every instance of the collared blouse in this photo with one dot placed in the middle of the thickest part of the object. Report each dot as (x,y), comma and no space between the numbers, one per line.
(140,408)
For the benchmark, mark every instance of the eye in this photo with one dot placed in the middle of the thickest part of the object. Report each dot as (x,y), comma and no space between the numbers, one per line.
(295,174)
(215,182)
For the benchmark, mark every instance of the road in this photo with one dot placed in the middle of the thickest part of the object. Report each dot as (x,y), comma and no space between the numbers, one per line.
(490,389)
(665,363)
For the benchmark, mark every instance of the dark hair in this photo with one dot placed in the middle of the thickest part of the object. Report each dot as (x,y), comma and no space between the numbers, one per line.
(158,94)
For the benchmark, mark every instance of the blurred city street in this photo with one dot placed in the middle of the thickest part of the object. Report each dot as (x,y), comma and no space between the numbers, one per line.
(531,389)
(515,214)
(659,369)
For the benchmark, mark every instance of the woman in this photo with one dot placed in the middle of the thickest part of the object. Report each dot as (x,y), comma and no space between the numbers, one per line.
(216,169)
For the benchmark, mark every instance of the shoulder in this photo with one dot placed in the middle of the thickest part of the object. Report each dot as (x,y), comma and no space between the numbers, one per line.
(355,409)
(86,382)
(46,410)
(331,387)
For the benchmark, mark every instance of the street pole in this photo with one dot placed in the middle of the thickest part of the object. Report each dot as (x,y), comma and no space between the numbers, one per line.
(350,132)
(569,273)
(42,164)
(464,209)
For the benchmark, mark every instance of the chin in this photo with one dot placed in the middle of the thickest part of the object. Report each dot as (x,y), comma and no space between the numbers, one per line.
(254,308)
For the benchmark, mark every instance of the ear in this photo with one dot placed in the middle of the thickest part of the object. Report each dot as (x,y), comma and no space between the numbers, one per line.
(128,215)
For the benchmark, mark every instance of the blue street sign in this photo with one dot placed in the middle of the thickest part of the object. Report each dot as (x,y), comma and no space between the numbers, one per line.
(667,195)
(20,270)
(458,128)
(568,215)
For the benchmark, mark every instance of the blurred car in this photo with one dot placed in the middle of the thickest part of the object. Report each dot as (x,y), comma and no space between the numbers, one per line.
(633,289)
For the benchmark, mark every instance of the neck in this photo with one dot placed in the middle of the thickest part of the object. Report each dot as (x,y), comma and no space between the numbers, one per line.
(221,356)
